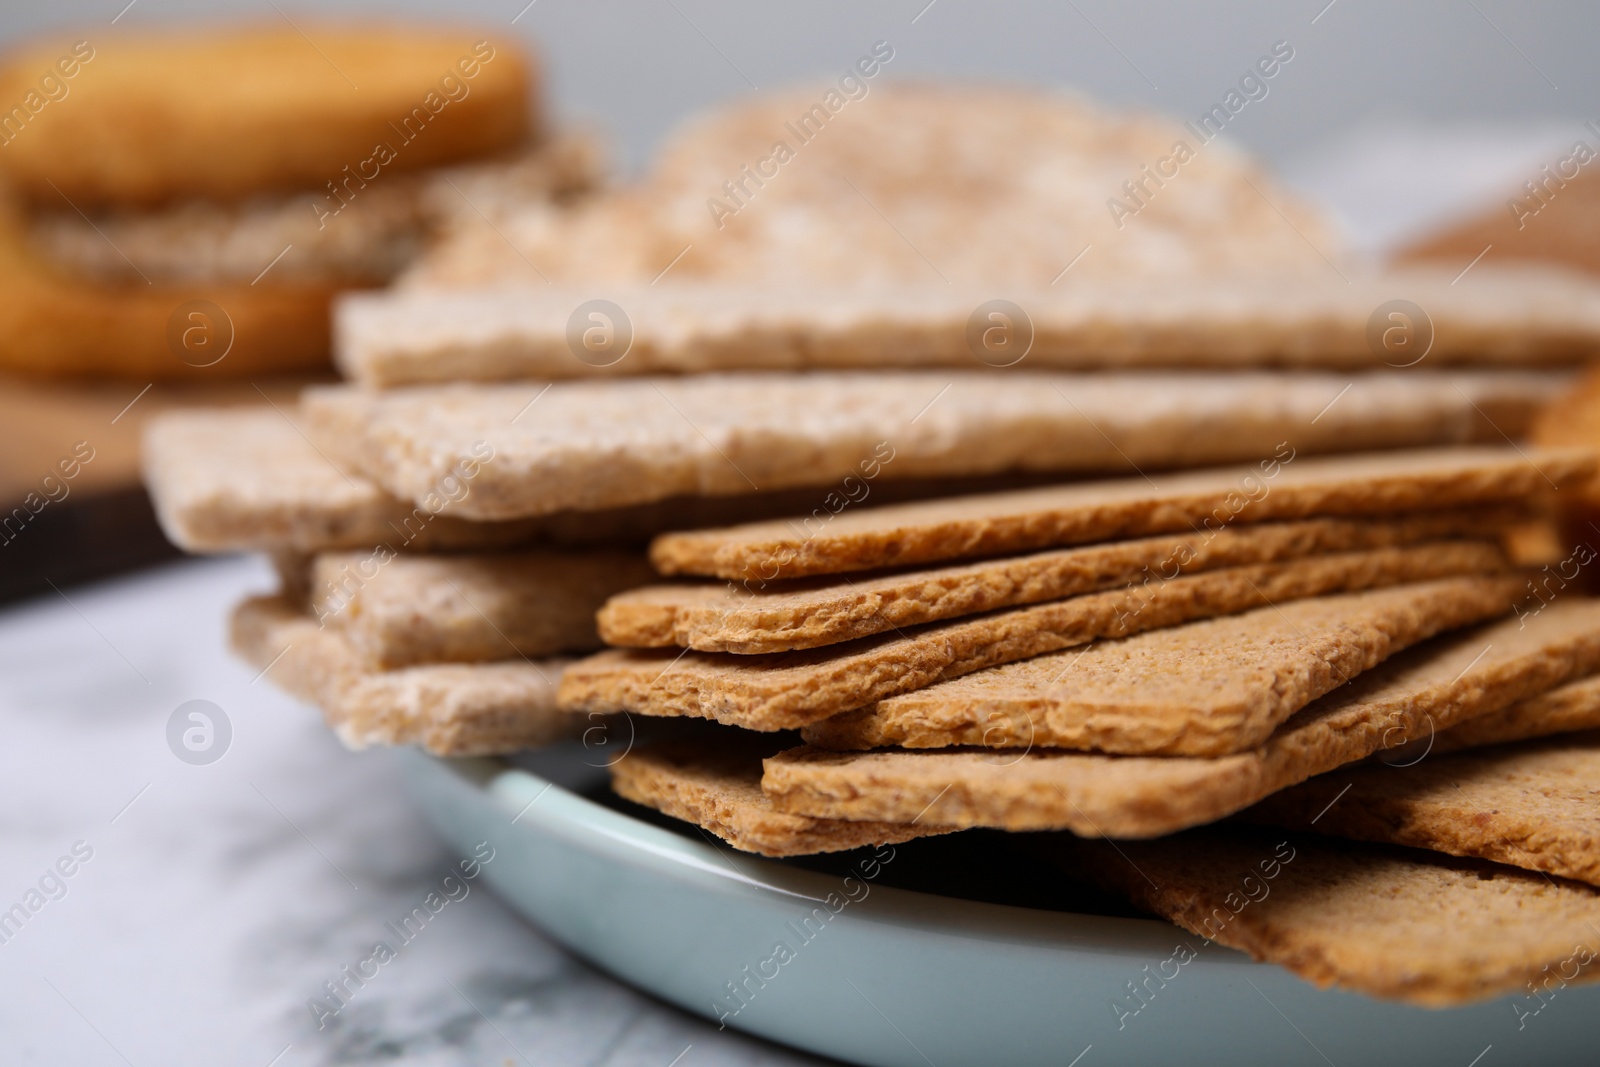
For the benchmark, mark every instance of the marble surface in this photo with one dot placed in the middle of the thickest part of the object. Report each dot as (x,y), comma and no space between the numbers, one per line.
(217,899)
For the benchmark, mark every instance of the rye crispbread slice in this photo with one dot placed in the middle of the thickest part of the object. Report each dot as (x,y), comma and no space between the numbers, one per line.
(1507,317)
(749,618)
(1002,523)
(1392,923)
(1207,688)
(1534,805)
(591,444)
(248,478)
(449,709)
(788,690)
(717,786)
(1565,709)
(398,610)
(1449,680)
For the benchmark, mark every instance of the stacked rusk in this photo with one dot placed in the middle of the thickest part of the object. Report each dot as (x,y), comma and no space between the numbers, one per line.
(1328,644)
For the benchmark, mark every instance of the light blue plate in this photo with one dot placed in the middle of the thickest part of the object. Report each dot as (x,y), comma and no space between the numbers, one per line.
(909,979)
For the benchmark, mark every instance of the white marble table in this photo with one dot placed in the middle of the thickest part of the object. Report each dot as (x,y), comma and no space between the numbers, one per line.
(217,899)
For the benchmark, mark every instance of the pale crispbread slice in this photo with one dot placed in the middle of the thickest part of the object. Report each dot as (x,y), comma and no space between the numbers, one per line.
(448,709)
(792,689)
(1000,523)
(1391,923)
(584,444)
(397,610)
(1451,679)
(748,618)
(1531,805)
(248,478)
(717,786)
(242,478)
(408,337)
(1208,688)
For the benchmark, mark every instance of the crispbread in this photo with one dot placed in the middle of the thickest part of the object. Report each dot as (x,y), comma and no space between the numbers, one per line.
(718,788)
(974,185)
(789,690)
(233,478)
(1451,679)
(1526,317)
(1390,923)
(399,610)
(1565,709)
(598,444)
(753,618)
(999,523)
(449,709)
(1208,688)
(225,113)
(245,478)
(1531,805)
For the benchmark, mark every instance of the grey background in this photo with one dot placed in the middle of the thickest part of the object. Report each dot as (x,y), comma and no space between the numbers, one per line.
(636,67)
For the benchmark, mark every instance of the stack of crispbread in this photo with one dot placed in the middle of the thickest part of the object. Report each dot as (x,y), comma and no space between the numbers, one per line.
(1170,548)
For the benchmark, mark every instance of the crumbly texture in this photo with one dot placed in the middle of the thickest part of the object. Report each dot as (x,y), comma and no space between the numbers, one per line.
(247,478)
(1209,688)
(718,788)
(756,617)
(1534,805)
(1566,709)
(448,709)
(789,690)
(1507,317)
(598,444)
(241,478)
(401,610)
(228,112)
(994,524)
(982,186)
(1449,680)
(1390,923)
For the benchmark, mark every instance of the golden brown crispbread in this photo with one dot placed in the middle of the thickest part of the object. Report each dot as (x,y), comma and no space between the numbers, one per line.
(397,610)
(225,113)
(1020,521)
(750,618)
(1433,687)
(449,709)
(1533,805)
(1208,688)
(717,786)
(1390,923)
(593,444)
(788,690)
(1565,709)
